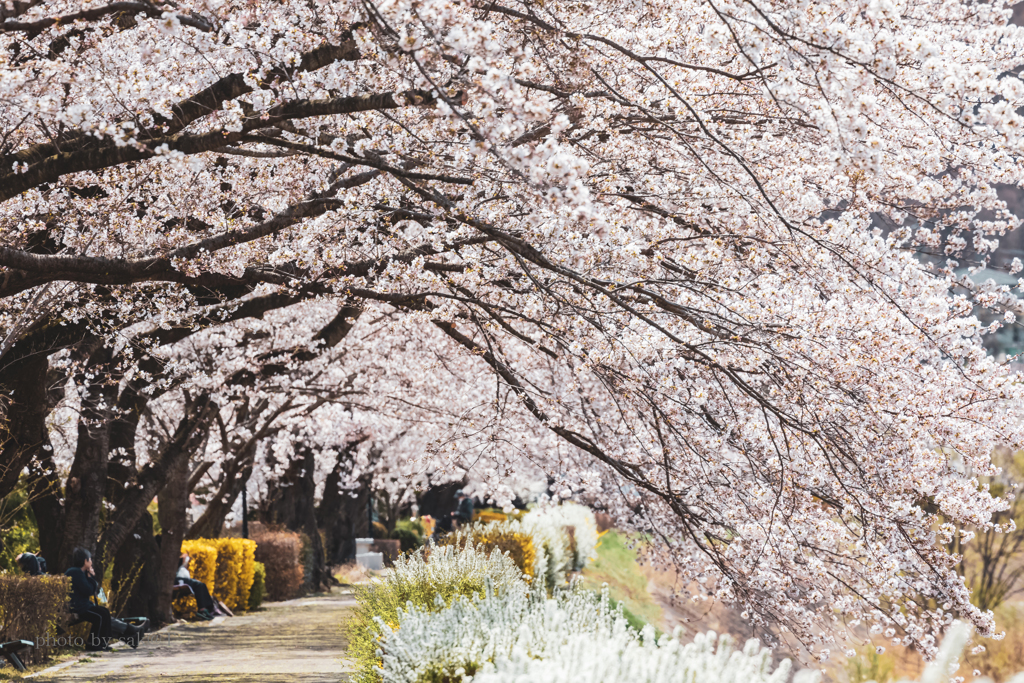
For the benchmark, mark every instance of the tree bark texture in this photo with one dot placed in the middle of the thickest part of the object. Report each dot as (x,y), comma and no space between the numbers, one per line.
(23,386)
(87,480)
(172,506)
(136,579)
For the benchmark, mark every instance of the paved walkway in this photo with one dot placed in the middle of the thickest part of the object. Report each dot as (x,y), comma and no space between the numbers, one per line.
(298,641)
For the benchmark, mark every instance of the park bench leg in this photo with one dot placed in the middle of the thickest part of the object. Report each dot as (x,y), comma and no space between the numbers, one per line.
(13,658)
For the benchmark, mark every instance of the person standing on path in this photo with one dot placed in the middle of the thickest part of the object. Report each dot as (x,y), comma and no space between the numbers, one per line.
(464,512)
(462,515)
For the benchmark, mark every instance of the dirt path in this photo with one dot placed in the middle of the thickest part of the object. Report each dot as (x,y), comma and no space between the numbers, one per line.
(299,641)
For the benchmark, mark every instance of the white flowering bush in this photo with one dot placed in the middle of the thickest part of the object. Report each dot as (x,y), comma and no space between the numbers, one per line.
(509,537)
(580,519)
(547,542)
(449,565)
(626,656)
(427,582)
(573,636)
(550,535)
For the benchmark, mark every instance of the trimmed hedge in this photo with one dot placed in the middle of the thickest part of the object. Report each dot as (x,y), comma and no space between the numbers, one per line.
(280,553)
(259,586)
(33,608)
(247,575)
(204,560)
(235,571)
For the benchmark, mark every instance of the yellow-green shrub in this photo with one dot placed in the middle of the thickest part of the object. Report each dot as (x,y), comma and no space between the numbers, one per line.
(229,565)
(204,560)
(489,516)
(235,571)
(259,586)
(247,577)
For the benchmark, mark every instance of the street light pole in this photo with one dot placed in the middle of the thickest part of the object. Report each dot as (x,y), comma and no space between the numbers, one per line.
(369,511)
(245,514)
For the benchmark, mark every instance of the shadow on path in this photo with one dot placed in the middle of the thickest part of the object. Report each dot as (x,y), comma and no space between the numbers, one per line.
(298,641)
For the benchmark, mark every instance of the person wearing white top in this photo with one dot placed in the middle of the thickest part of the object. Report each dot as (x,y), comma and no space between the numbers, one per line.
(207,608)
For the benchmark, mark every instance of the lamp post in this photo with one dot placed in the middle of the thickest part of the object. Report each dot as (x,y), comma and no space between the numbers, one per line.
(369,512)
(245,514)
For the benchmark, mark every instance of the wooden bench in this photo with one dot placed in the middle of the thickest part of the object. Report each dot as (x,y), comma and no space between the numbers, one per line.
(10,651)
(181,590)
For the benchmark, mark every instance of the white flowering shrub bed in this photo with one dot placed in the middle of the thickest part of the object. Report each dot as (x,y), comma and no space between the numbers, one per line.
(515,629)
(460,615)
(451,566)
(551,540)
(572,636)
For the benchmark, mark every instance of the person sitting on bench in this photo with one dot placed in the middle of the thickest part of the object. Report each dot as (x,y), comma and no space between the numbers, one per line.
(84,588)
(207,608)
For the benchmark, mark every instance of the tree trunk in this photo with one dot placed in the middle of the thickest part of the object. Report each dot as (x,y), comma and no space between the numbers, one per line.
(46,498)
(173,502)
(321,575)
(23,391)
(122,467)
(87,480)
(25,432)
(46,494)
(292,503)
(343,517)
(136,573)
(187,437)
(283,504)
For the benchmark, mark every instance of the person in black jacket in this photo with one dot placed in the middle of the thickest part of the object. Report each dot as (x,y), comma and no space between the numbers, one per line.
(462,515)
(84,587)
(464,512)
(31,564)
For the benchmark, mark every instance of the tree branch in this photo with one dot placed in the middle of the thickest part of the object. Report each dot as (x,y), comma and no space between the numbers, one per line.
(33,28)
(60,164)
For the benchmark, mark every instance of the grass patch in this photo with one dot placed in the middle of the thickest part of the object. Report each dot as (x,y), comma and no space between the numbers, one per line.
(617,566)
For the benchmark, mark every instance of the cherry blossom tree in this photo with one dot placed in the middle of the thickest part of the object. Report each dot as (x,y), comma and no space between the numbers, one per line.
(654,224)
